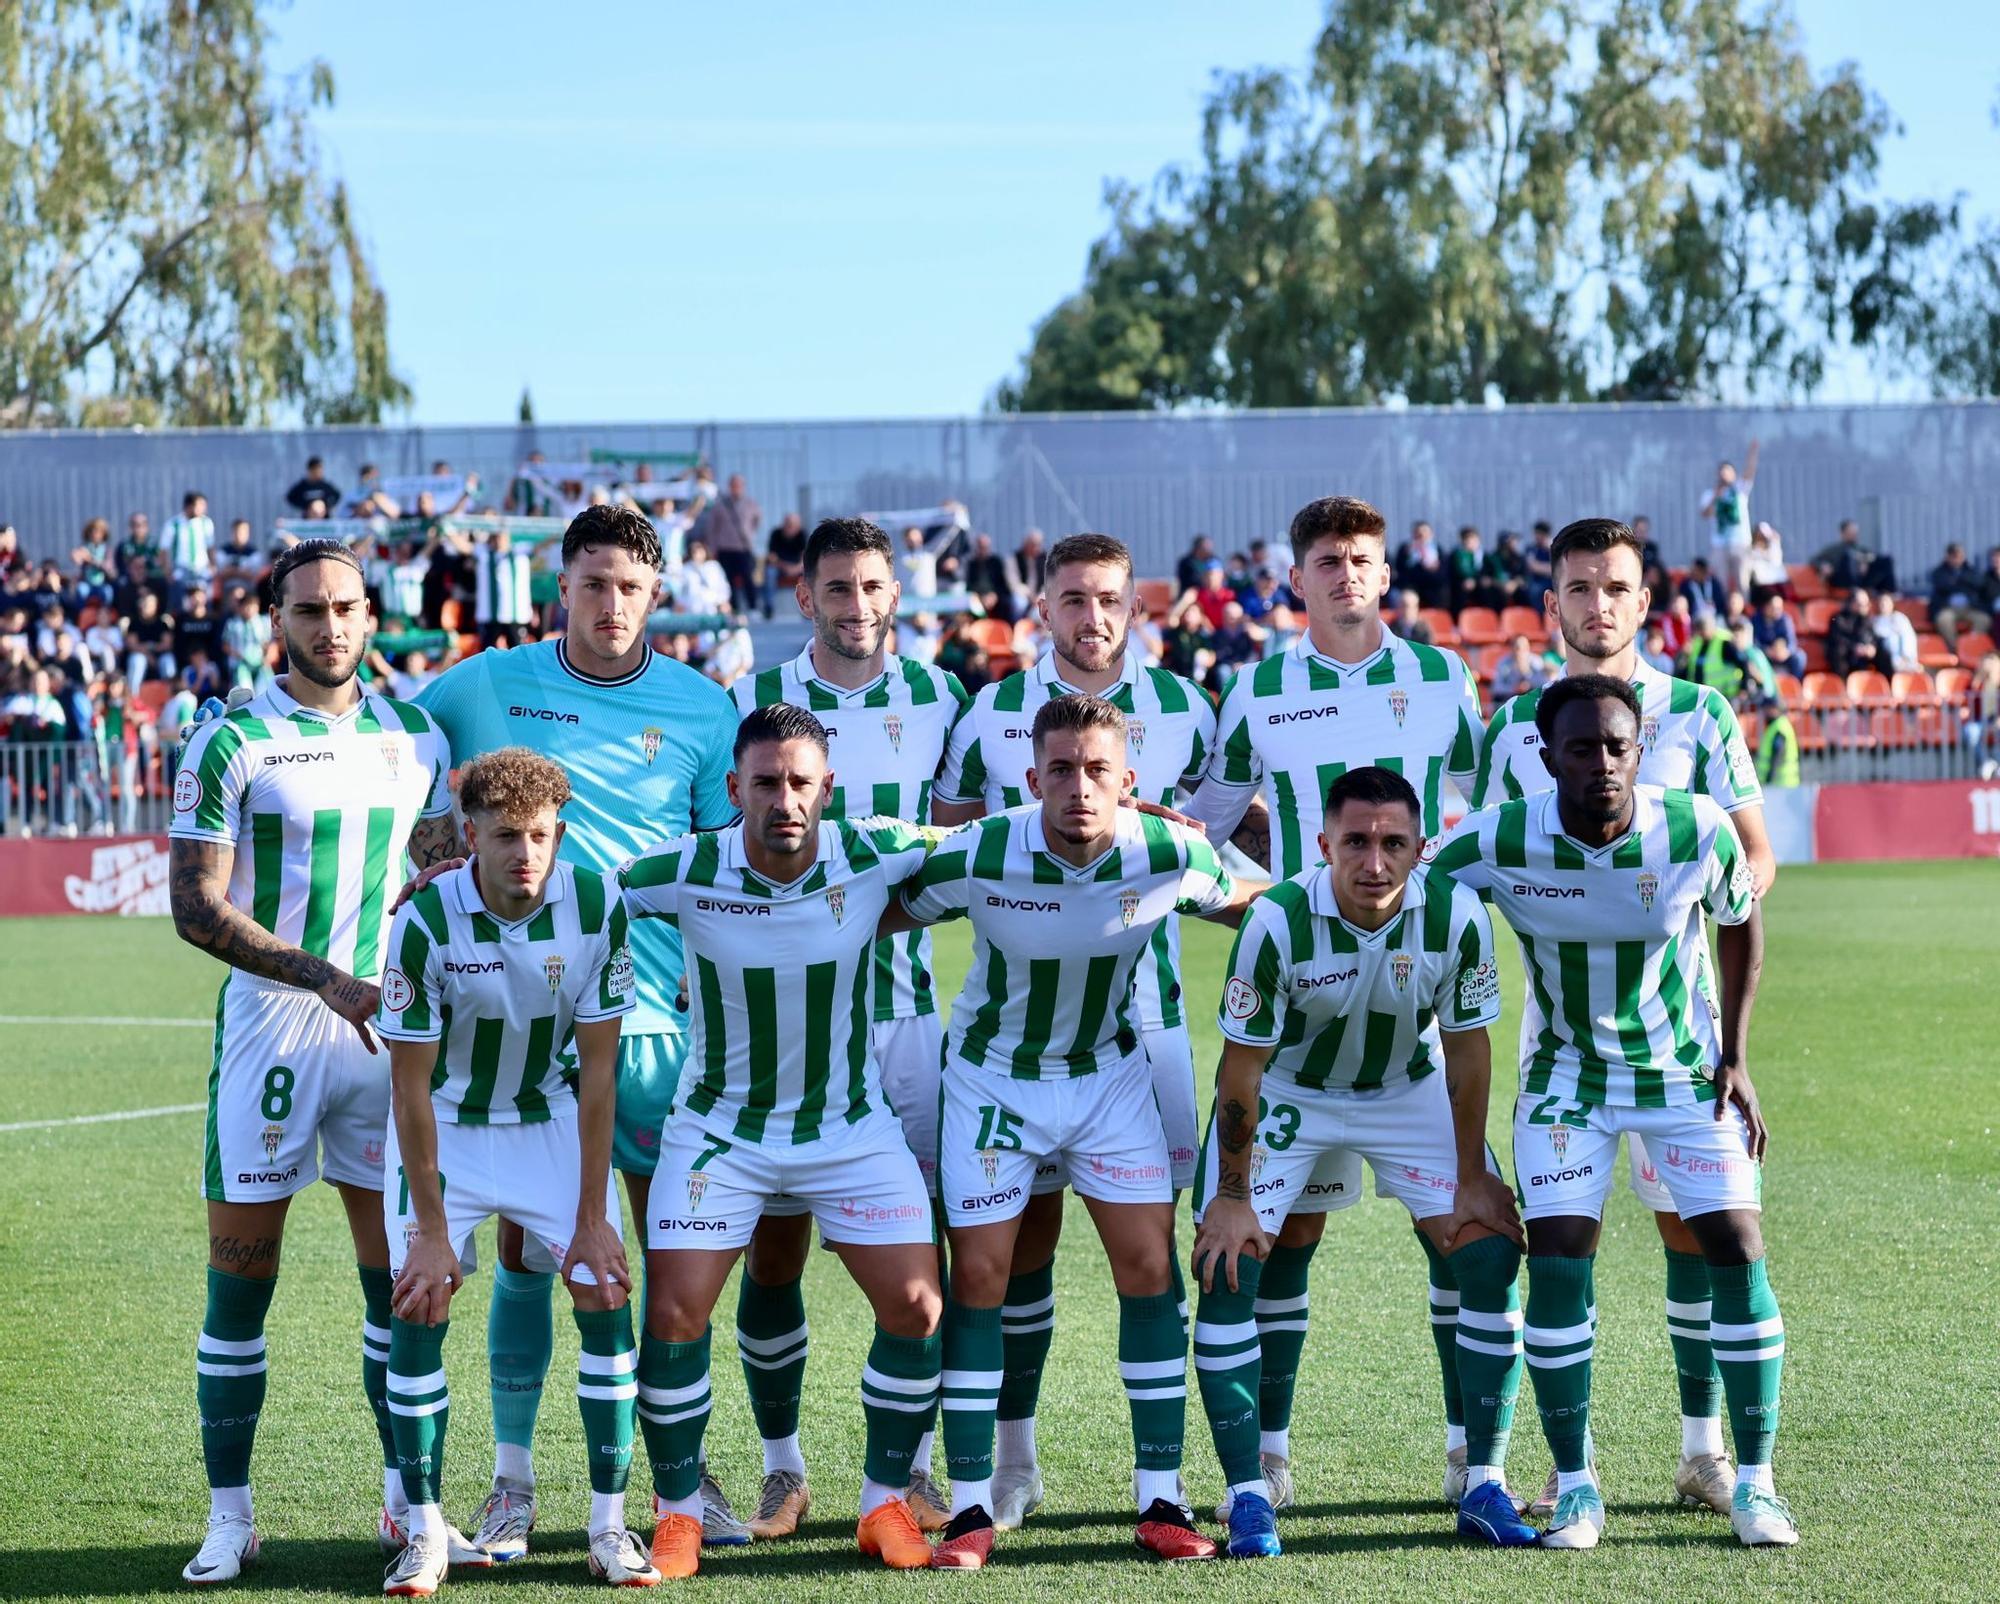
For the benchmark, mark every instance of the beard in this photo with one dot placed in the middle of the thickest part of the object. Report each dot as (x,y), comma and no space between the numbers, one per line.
(328,679)
(827,632)
(1071,652)
(1594,654)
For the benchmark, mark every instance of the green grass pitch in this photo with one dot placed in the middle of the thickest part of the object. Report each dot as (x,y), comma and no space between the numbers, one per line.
(1877,1041)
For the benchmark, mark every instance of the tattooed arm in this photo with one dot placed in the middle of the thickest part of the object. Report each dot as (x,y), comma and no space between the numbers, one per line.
(1229,1226)
(433,841)
(198,886)
(1252,837)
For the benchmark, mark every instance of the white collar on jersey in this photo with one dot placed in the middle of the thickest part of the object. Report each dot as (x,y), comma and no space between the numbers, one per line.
(461,890)
(1045,673)
(1322,901)
(1303,647)
(734,855)
(286,704)
(1548,820)
(806,674)
(1644,675)
(1036,839)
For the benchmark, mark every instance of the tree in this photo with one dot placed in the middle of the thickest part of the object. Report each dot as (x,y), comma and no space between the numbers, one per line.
(527,408)
(170,249)
(1539,199)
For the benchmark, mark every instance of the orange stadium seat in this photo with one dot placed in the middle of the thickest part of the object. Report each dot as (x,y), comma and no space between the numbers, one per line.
(1866,686)
(1791,692)
(1156,595)
(1973,644)
(451,615)
(1917,610)
(1952,683)
(1819,614)
(1480,626)
(1933,653)
(994,635)
(1522,621)
(1444,629)
(1806,582)
(1937,726)
(153,695)
(1891,727)
(1825,690)
(1813,649)
(1490,659)
(1913,690)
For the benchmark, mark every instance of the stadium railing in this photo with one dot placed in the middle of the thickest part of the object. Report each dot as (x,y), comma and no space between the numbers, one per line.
(81,788)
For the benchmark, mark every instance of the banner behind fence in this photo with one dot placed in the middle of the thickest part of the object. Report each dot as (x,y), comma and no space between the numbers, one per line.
(117,874)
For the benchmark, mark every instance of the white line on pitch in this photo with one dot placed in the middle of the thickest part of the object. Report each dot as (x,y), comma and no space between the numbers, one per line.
(104,1019)
(103,1119)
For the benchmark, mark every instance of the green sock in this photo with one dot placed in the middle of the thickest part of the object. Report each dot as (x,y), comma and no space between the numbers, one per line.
(1152,1361)
(971,1385)
(1487,1344)
(898,1387)
(606,1392)
(1748,1334)
(1687,1334)
(1281,1332)
(229,1373)
(419,1405)
(1027,1328)
(771,1342)
(520,1336)
(1227,1361)
(674,1403)
(1179,1288)
(1559,1342)
(1444,1330)
(375,1288)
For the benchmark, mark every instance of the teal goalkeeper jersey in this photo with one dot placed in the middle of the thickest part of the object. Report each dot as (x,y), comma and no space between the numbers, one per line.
(648,757)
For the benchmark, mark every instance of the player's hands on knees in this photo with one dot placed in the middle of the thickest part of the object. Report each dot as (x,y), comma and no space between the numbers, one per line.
(423,878)
(595,1246)
(1733,1090)
(1229,1232)
(1486,1200)
(422,1294)
(354,1000)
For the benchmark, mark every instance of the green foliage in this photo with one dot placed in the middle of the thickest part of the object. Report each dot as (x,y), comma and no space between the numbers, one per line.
(1543,200)
(171,250)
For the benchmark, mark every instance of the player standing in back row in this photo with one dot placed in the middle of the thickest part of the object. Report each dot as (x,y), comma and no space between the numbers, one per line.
(887,720)
(1086,604)
(292,816)
(1348,695)
(1689,741)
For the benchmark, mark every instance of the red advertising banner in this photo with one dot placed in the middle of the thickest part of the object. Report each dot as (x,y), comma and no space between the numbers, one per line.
(1936,819)
(92,874)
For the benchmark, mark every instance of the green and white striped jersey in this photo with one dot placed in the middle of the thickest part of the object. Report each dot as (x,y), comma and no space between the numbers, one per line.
(501,999)
(1169,732)
(503,589)
(778,975)
(886,741)
(1353,1009)
(319,811)
(1621,1009)
(1054,946)
(1688,735)
(1298,721)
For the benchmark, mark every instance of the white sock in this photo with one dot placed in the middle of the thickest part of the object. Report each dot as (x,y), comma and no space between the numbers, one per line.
(607,1512)
(690,1505)
(1238,1489)
(428,1520)
(921,1459)
(512,1462)
(1014,1442)
(971,1495)
(1454,1439)
(1159,1484)
(782,1453)
(1479,1475)
(1278,1444)
(1758,1476)
(1567,1481)
(1700,1434)
(874,1495)
(229,1501)
(394,1499)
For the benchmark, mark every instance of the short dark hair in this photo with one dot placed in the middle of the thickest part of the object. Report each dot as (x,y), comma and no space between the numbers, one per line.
(1344,516)
(627,528)
(314,462)
(777,721)
(191,498)
(845,537)
(1594,535)
(1076,713)
(1581,688)
(296,557)
(1373,787)
(1086,548)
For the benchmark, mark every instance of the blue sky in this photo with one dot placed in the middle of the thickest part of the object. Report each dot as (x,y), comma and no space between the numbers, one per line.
(653,211)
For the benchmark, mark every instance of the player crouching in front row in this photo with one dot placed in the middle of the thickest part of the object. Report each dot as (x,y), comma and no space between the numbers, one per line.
(494,968)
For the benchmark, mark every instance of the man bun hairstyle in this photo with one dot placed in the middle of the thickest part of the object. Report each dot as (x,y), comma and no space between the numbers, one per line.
(293,558)
(1594,535)
(1581,688)
(1087,548)
(842,537)
(1373,787)
(778,721)
(1076,713)
(513,782)
(1346,517)
(613,524)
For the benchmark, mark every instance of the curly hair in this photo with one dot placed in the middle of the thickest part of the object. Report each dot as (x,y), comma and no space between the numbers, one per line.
(610,525)
(1336,517)
(512,782)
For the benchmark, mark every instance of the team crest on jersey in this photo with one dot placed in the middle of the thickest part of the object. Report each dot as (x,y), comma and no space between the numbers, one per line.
(836,902)
(273,1134)
(697,1184)
(649,738)
(1559,1140)
(553,968)
(392,755)
(1128,907)
(1399,704)
(371,1151)
(1135,732)
(1649,732)
(1649,888)
(1401,964)
(1257,1157)
(892,726)
(989,1163)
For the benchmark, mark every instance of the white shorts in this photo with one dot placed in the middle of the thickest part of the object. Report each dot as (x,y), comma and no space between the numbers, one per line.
(910,1055)
(292,1096)
(1000,1138)
(1564,1153)
(1170,1061)
(1403,1130)
(859,1181)
(531,1173)
(1645,1180)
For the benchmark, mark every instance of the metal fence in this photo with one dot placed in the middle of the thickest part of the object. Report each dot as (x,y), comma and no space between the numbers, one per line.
(1914,475)
(82,788)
